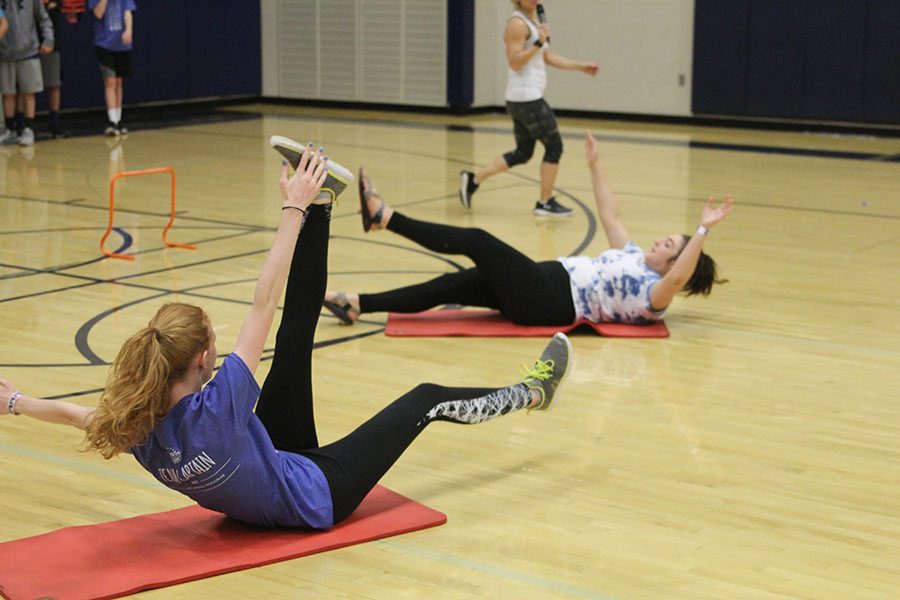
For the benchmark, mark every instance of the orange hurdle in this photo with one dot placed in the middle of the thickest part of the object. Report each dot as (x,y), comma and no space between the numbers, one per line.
(112,209)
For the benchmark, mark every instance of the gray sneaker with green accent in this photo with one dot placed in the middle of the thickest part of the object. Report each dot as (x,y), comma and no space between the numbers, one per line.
(550,370)
(338,177)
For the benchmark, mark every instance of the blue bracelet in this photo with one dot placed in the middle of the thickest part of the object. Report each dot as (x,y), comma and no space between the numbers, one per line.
(12,403)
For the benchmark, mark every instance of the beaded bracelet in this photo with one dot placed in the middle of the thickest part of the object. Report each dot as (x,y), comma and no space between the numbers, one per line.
(11,406)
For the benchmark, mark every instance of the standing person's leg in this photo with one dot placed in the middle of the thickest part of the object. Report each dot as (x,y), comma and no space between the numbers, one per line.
(107,64)
(8,134)
(51,70)
(285,404)
(109,95)
(122,61)
(525,143)
(354,464)
(549,171)
(120,125)
(31,82)
(542,124)
(26,138)
(54,98)
(20,112)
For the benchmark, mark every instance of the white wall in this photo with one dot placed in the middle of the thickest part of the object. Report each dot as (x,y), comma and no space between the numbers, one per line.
(269,18)
(385,51)
(642,46)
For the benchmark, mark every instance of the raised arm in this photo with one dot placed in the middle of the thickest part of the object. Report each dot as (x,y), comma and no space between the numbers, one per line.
(607,205)
(664,290)
(51,411)
(297,193)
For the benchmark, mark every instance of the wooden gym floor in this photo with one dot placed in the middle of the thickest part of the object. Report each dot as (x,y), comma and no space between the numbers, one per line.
(754,454)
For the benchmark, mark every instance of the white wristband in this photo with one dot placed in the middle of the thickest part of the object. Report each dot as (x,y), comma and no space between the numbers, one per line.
(702,230)
(11,406)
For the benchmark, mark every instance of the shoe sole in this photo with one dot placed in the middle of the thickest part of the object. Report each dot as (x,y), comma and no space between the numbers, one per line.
(565,374)
(463,186)
(338,177)
(545,213)
(363,202)
(338,312)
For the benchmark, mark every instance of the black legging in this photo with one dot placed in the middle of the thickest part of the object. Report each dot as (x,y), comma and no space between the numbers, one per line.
(524,291)
(354,464)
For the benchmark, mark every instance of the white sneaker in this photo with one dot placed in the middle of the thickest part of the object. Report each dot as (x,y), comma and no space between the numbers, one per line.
(27,137)
(9,138)
(338,177)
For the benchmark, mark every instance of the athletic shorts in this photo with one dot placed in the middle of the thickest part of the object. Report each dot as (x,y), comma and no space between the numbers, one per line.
(113,64)
(51,69)
(21,76)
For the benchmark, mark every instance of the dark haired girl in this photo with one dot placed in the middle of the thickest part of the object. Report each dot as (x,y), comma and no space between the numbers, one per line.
(624,284)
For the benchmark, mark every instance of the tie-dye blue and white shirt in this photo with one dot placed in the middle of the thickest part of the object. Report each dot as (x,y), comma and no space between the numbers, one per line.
(614,286)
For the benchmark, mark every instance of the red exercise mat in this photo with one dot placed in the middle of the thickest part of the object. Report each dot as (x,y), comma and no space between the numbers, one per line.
(489,323)
(114,559)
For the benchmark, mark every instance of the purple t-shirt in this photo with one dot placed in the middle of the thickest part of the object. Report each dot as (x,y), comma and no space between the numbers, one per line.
(213,448)
(108,30)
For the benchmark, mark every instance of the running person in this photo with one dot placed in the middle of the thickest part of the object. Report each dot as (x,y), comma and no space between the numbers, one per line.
(266,468)
(624,284)
(527,53)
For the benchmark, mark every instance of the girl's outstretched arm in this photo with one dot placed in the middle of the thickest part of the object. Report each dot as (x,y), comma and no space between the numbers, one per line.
(13,402)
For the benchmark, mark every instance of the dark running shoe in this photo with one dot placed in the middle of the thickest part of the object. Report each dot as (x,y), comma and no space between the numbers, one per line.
(551,208)
(467,187)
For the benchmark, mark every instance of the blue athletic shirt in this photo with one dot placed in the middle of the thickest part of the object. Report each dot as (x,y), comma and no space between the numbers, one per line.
(108,30)
(213,448)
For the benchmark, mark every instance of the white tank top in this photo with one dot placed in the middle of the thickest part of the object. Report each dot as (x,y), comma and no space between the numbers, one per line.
(530,81)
